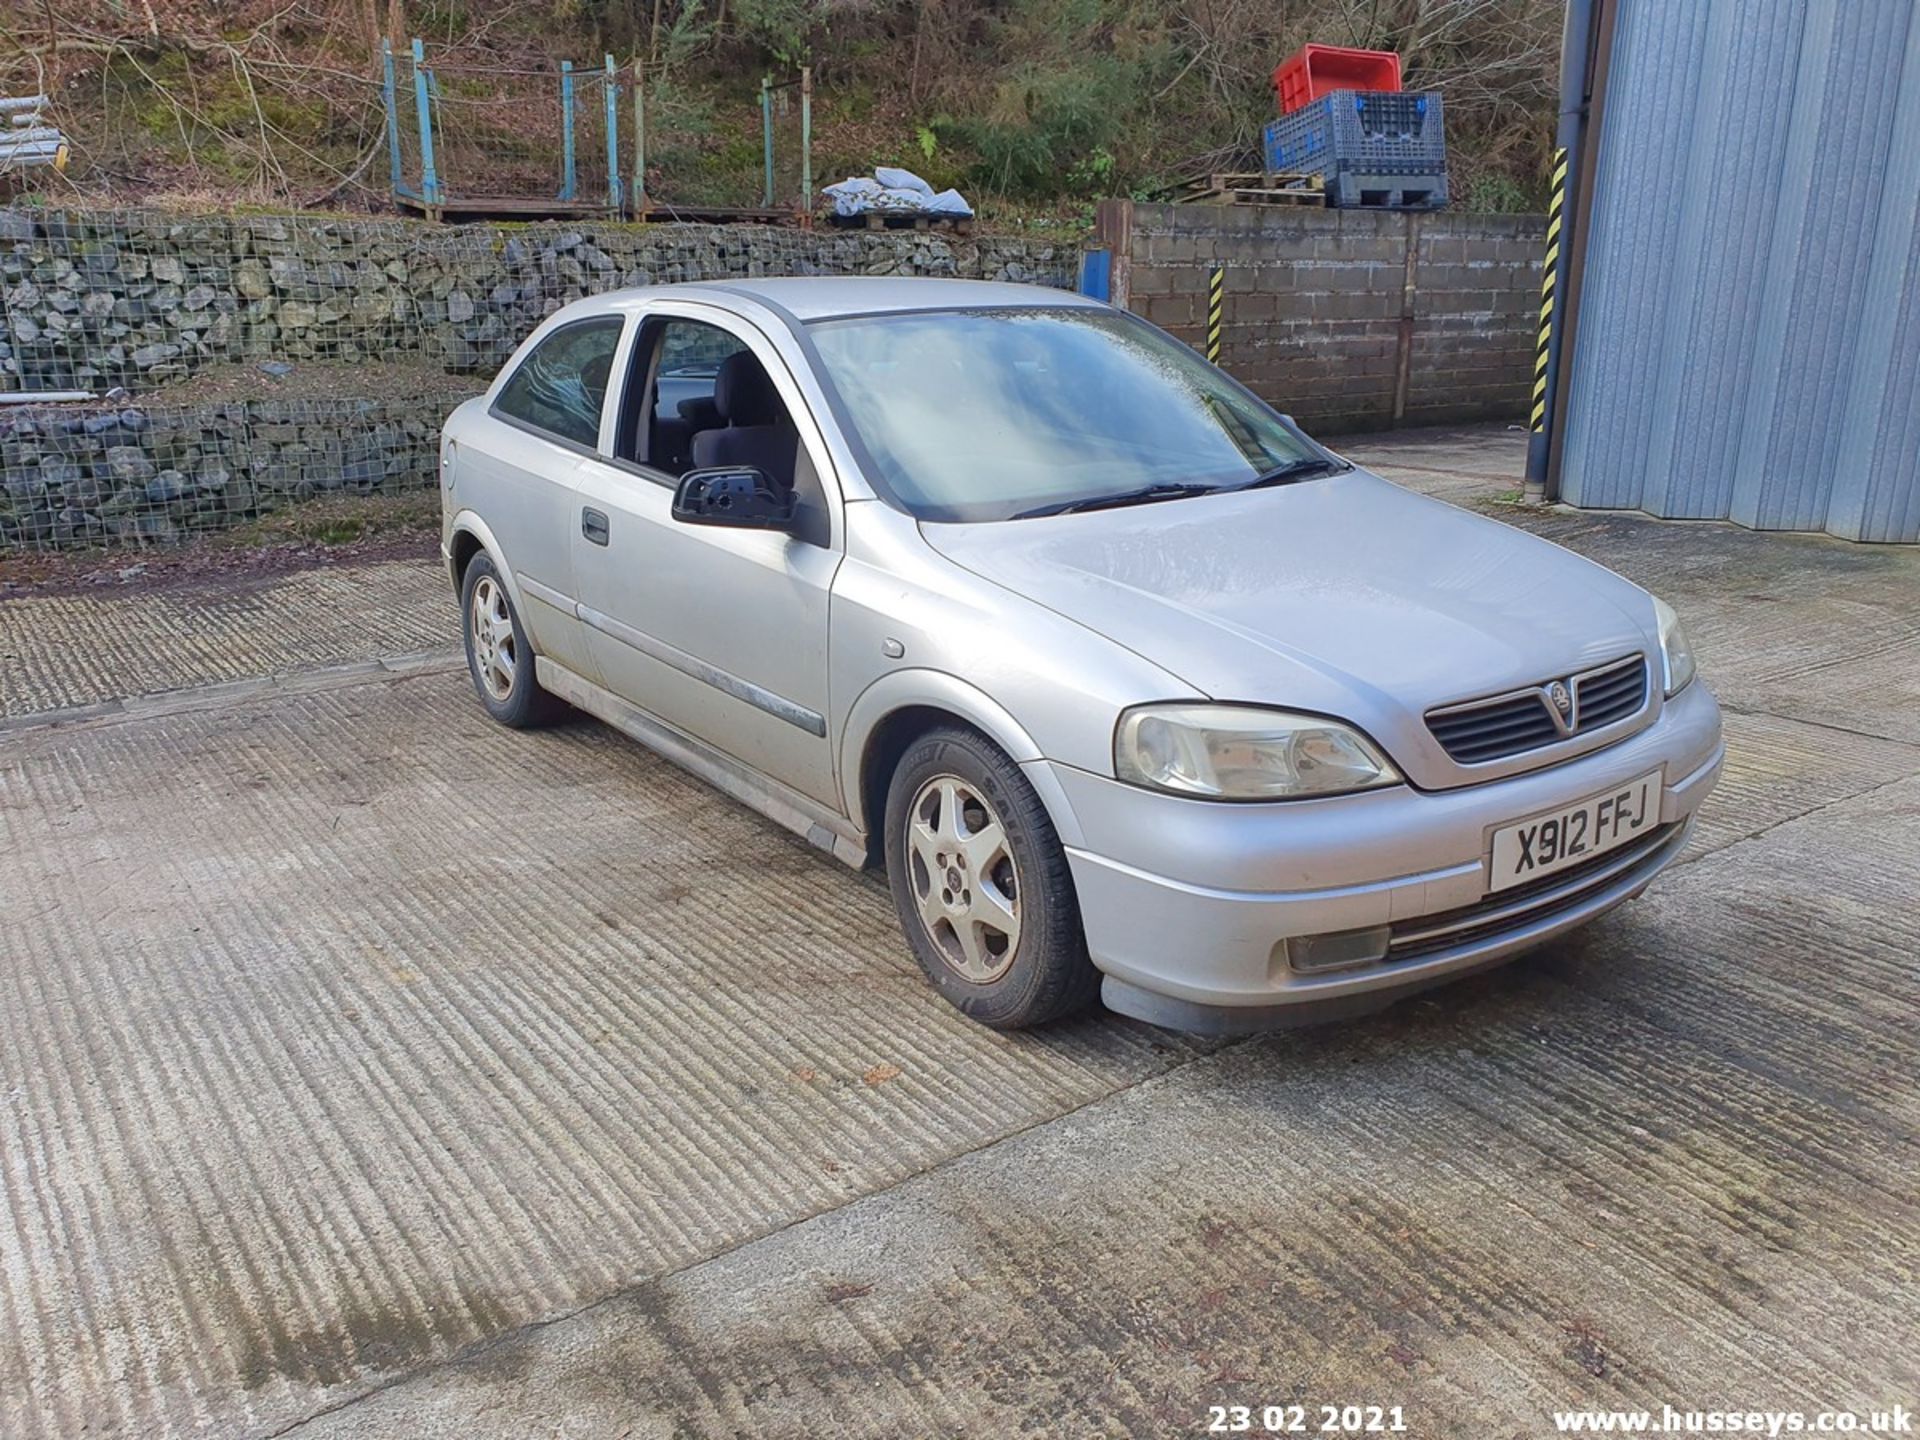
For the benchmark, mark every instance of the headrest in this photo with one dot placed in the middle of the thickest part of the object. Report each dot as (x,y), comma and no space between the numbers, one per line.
(743,393)
(595,374)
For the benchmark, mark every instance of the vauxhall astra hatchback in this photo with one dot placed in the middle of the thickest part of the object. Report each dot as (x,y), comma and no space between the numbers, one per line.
(1134,690)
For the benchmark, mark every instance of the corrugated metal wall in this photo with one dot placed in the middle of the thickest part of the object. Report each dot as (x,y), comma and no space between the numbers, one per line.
(1749,332)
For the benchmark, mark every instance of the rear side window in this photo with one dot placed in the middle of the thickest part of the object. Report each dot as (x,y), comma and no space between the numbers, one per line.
(561,387)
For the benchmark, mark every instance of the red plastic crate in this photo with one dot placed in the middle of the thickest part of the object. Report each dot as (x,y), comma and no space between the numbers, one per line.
(1316,70)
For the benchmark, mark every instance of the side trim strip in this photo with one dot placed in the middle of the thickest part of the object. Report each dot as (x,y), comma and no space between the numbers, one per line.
(545,594)
(787,807)
(757,696)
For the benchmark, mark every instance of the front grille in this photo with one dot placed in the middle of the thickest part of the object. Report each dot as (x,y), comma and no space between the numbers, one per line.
(1496,729)
(1505,910)
(1601,697)
(1522,720)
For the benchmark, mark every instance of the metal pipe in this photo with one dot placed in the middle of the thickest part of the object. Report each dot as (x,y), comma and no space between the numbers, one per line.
(35,397)
(806,142)
(390,96)
(567,176)
(1576,59)
(766,139)
(1606,20)
(23,102)
(612,99)
(429,177)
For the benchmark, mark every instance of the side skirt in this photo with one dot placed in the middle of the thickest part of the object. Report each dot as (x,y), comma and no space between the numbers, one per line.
(781,804)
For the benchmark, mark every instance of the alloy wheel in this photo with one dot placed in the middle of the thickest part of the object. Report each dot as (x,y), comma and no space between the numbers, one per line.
(964,881)
(495,653)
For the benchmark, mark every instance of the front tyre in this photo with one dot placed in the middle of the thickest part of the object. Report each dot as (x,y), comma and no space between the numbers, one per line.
(499,659)
(982,885)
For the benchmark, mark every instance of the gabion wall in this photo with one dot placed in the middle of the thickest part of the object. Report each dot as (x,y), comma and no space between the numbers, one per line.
(100,301)
(153,475)
(134,299)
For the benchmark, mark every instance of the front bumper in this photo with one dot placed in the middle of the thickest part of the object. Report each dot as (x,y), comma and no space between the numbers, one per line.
(1187,903)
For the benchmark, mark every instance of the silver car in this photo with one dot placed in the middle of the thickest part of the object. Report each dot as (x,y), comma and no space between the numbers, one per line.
(1134,689)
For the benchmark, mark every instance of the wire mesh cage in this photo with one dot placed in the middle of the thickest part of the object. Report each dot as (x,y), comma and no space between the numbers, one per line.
(495,132)
(156,474)
(195,334)
(596,119)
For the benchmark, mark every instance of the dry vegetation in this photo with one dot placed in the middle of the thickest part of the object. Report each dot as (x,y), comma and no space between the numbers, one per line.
(1033,106)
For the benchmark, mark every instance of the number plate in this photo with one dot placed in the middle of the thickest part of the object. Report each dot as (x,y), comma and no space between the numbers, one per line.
(1546,843)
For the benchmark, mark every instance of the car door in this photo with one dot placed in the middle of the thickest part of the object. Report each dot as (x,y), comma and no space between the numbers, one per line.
(523,481)
(720,632)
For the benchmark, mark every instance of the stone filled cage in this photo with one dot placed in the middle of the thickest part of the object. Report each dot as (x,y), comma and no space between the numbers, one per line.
(128,307)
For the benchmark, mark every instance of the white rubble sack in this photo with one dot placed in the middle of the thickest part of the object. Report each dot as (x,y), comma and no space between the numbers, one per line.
(896,191)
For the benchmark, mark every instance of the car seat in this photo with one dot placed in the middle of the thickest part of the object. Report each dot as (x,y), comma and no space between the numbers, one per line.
(758,430)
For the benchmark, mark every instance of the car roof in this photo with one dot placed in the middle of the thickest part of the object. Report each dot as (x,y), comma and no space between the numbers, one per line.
(821,297)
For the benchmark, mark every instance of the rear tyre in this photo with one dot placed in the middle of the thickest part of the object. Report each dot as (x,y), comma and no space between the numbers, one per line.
(982,885)
(499,658)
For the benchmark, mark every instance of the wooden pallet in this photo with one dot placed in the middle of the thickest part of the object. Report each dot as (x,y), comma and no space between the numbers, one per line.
(1253,187)
(903,220)
(664,210)
(502,207)
(470,207)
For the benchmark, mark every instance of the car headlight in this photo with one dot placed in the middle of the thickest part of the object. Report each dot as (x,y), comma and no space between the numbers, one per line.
(1676,655)
(1235,752)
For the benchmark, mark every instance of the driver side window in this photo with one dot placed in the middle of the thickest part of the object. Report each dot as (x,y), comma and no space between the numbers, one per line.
(697,397)
(561,388)
(680,403)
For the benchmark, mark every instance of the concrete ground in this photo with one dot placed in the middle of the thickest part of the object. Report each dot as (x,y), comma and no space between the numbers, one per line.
(370,1070)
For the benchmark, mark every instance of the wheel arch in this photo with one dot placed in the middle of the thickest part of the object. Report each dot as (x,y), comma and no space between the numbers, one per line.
(460,552)
(470,536)
(903,705)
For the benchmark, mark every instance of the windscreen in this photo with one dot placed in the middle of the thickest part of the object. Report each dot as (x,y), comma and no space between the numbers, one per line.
(988,414)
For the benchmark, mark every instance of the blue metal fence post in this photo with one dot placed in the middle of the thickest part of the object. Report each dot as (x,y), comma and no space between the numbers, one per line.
(429,177)
(389,92)
(566,129)
(613,136)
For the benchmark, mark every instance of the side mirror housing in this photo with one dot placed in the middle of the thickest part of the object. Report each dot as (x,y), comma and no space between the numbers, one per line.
(735,495)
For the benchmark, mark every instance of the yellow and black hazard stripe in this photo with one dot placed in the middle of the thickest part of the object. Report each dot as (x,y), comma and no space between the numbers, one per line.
(1216,305)
(1547,297)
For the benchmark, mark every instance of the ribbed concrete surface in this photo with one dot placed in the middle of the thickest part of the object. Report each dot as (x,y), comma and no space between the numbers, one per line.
(1671,1163)
(62,651)
(1465,465)
(344,1038)
(1778,770)
(346,1029)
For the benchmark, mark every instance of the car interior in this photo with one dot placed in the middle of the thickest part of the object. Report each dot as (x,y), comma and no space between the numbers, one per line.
(698,398)
(594,376)
(707,401)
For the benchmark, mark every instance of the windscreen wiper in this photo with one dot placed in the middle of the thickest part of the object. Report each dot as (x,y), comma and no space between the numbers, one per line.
(1304,468)
(1145,495)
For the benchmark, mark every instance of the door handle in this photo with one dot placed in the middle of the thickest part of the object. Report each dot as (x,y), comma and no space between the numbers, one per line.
(593,525)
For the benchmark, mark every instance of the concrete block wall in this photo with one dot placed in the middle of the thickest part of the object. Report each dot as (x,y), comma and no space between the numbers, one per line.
(1345,319)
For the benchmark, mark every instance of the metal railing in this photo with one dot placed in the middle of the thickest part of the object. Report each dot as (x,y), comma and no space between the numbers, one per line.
(503,141)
